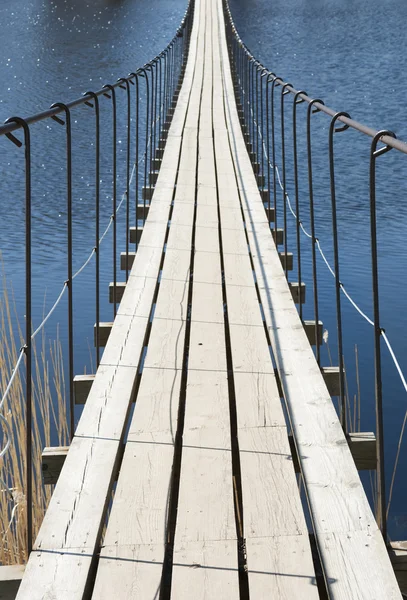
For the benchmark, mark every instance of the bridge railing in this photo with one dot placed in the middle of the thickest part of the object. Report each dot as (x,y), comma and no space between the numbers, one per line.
(274,131)
(139,109)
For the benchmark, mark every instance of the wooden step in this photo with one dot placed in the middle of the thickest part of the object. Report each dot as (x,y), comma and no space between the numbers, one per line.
(398,557)
(280,236)
(361,444)
(104,331)
(135,234)
(332,379)
(295,291)
(147,192)
(156,163)
(309,327)
(120,287)
(264,193)
(286,260)
(10,579)
(52,460)
(269,212)
(261,180)
(81,387)
(127,260)
(142,211)
(153,176)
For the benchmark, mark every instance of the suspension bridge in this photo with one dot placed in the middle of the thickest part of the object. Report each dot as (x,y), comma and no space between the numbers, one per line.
(209,404)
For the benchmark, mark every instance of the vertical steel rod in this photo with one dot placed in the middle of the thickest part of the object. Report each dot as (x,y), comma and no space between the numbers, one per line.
(380,471)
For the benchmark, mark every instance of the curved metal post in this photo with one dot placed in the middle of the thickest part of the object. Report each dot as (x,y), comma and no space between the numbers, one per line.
(69,281)
(112,94)
(284,92)
(310,110)
(97,202)
(380,471)
(333,129)
(28,318)
(297,100)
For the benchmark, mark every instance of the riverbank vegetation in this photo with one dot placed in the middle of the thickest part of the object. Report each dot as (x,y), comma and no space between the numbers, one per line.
(49,427)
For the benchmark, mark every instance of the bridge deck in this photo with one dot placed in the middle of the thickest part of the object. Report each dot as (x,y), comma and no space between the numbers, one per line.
(206,461)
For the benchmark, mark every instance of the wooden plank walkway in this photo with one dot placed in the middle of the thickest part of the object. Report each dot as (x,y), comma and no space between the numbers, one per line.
(191,492)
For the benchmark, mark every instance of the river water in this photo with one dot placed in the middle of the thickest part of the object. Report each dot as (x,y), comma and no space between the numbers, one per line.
(350,53)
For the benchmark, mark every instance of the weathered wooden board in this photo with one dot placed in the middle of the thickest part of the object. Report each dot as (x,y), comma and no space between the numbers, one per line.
(341,514)
(205,535)
(64,555)
(139,516)
(273,518)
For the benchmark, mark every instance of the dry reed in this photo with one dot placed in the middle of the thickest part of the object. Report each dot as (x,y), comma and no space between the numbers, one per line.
(49,427)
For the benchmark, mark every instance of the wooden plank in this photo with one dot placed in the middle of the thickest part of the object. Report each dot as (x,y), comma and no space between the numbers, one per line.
(81,387)
(137,526)
(204,570)
(398,557)
(127,260)
(309,327)
(53,459)
(332,379)
(361,444)
(205,532)
(279,560)
(105,329)
(348,538)
(10,579)
(61,565)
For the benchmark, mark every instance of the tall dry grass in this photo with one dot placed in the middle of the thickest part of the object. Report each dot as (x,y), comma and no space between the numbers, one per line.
(49,423)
